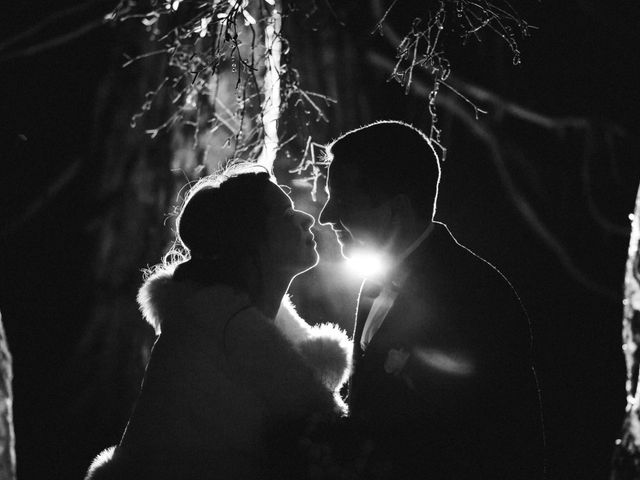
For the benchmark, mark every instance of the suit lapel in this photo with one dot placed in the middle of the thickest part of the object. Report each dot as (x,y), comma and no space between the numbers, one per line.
(390,331)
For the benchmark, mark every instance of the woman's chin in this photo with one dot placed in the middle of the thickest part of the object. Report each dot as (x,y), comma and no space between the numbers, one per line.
(310,260)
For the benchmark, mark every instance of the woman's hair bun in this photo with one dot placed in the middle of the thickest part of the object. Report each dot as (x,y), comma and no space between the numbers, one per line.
(223,213)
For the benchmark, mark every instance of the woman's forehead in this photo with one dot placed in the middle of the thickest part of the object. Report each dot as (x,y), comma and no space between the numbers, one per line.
(276,196)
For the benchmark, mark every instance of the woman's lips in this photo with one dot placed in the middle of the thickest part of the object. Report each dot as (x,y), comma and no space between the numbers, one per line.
(310,240)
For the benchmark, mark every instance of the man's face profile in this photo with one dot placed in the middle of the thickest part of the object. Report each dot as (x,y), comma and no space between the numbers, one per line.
(356,220)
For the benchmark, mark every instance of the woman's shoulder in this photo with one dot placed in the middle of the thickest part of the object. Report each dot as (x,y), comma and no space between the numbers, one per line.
(163,299)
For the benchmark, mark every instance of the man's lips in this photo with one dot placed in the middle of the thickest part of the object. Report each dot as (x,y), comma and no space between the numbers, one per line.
(341,234)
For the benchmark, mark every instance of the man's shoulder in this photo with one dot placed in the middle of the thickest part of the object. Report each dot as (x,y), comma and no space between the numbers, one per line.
(448,262)
(458,287)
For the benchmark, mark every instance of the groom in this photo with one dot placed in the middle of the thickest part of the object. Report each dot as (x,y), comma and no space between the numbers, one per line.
(443,384)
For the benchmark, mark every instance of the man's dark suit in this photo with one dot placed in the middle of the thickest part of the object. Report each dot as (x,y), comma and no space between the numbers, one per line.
(465,404)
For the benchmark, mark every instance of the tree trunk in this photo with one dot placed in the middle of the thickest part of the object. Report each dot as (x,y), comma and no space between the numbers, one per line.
(7,438)
(626,462)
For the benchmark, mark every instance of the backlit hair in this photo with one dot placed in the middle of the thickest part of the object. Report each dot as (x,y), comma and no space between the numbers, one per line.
(221,224)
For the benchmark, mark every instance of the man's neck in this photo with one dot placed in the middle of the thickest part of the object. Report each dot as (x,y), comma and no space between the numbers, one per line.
(409,238)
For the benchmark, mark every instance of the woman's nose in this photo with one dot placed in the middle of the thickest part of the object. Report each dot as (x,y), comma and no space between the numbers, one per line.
(306,220)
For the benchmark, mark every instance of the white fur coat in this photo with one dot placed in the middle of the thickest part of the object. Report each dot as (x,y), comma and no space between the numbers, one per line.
(221,376)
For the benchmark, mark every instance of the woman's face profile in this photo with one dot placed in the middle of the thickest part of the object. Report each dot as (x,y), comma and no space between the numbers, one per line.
(289,243)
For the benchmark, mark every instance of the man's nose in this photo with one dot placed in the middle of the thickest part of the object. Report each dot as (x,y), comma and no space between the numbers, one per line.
(326,214)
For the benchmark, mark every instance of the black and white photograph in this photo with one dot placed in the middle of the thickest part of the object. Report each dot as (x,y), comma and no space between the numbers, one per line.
(320,240)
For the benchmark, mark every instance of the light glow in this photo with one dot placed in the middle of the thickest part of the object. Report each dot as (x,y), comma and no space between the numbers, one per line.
(445,362)
(367,263)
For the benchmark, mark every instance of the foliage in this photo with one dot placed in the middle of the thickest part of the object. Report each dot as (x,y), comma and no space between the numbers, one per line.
(207,42)
(219,57)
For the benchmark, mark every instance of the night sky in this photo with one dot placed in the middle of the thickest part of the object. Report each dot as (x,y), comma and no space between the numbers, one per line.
(580,63)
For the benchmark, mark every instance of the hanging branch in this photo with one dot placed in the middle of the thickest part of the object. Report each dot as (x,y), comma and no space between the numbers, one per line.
(206,43)
(422,46)
(422,49)
(203,41)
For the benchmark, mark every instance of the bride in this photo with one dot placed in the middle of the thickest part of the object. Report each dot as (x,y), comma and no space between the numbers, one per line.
(234,369)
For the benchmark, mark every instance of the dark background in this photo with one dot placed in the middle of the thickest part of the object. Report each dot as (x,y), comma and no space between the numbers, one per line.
(579,175)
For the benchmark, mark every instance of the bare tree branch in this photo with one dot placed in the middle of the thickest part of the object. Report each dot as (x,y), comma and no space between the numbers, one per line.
(50,20)
(54,42)
(521,112)
(53,190)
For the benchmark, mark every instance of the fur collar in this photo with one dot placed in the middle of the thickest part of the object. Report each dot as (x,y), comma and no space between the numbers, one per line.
(267,355)
(325,347)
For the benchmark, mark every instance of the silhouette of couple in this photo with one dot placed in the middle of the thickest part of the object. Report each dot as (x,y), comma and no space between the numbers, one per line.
(440,377)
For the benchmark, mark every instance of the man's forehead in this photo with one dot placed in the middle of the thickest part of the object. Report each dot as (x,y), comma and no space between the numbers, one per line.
(343,177)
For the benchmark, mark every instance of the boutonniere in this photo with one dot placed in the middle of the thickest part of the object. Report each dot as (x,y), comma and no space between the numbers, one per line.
(396,360)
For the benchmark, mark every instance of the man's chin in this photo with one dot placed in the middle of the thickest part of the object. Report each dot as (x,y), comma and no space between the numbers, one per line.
(349,246)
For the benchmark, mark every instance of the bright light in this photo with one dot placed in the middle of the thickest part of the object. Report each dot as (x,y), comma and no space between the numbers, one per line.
(367,263)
